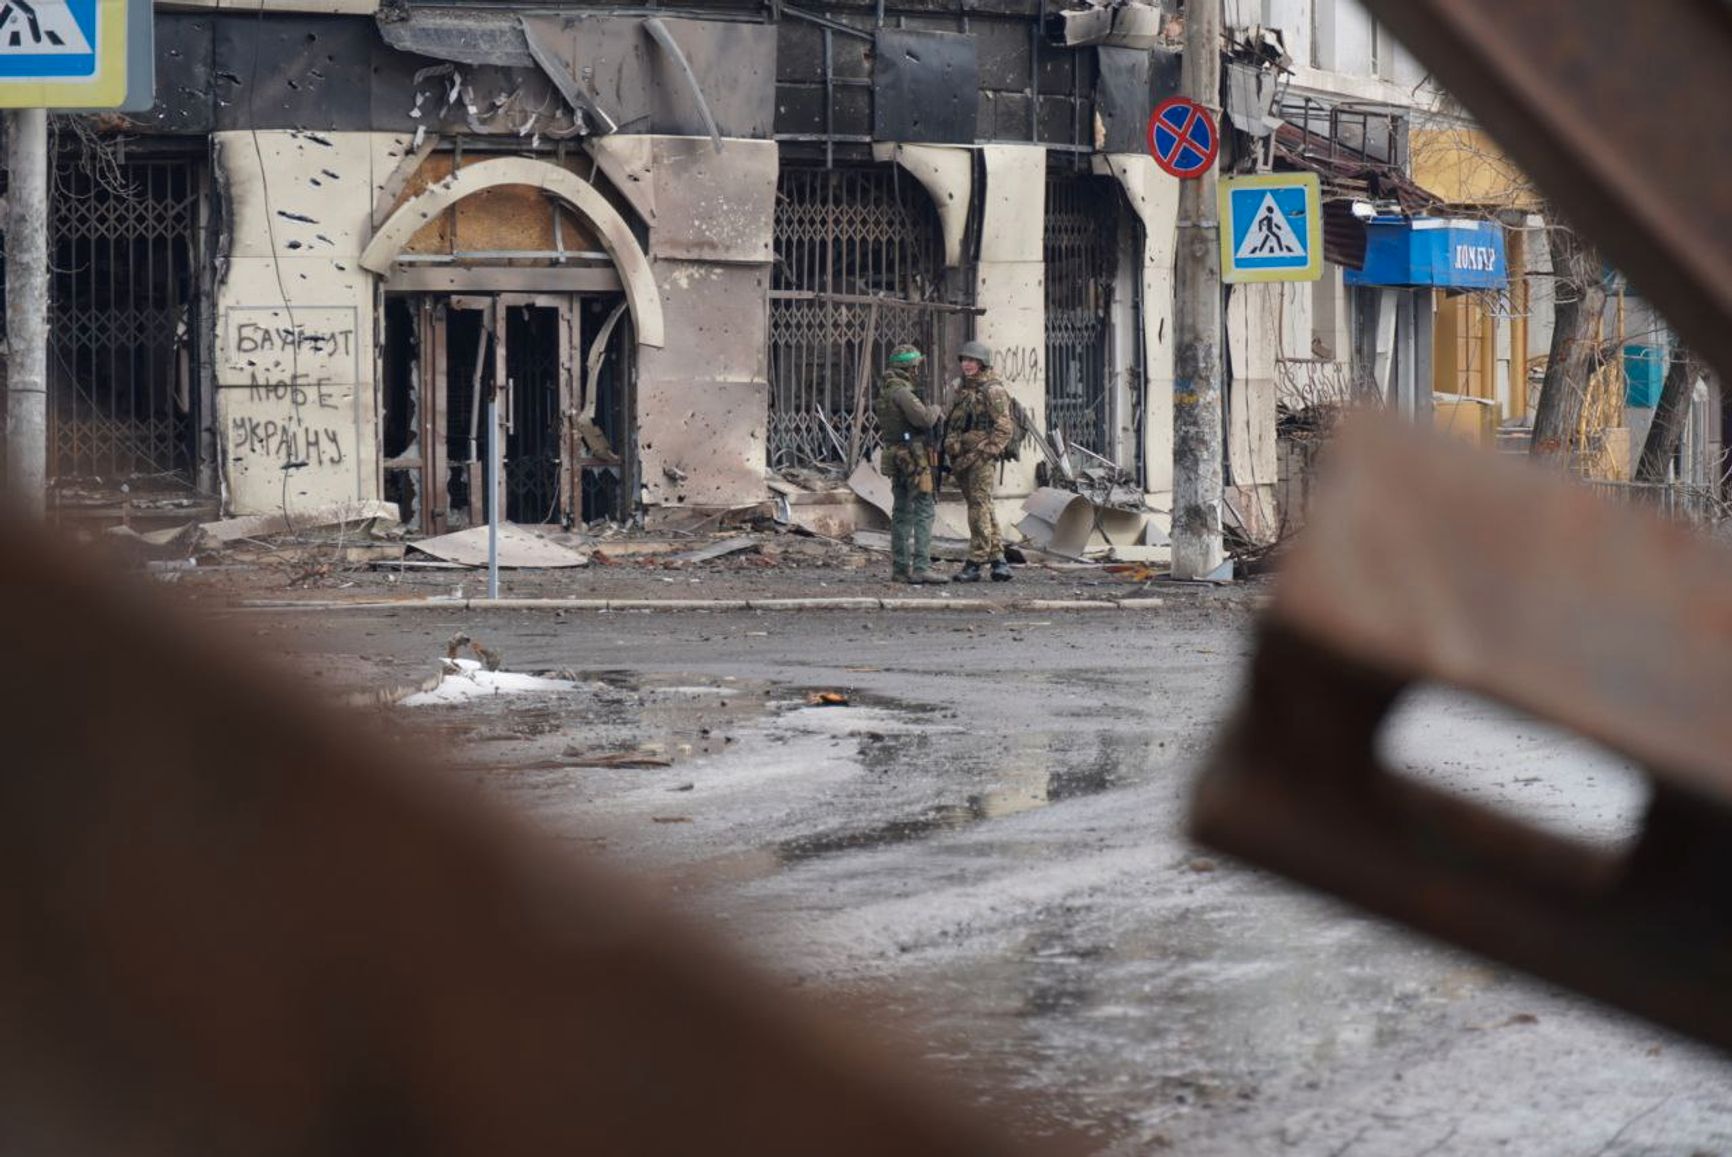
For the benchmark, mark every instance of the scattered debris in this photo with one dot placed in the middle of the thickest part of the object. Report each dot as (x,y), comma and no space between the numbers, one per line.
(1125,23)
(175,539)
(826,699)
(949,549)
(519,549)
(718,550)
(1068,523)
(367,519)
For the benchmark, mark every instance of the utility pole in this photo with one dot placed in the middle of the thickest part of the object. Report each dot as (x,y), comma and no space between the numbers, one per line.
(1197,425)
(27,309)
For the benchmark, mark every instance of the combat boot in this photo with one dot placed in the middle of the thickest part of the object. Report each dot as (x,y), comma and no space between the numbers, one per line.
(898,575)
(1000,571)
(970,573)
(922,578)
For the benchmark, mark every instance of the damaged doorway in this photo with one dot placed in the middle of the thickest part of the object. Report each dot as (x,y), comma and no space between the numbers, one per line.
(561,369)
(1094,358)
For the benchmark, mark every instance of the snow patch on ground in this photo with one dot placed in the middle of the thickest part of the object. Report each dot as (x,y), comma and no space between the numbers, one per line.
(472,681)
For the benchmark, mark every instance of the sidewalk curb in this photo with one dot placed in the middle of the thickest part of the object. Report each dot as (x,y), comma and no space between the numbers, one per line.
(857,603)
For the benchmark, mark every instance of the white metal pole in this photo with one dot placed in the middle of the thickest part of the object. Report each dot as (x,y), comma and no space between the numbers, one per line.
(493,494)
(27,309)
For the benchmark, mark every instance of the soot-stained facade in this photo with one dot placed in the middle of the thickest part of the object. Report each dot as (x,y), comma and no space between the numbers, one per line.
(676,240)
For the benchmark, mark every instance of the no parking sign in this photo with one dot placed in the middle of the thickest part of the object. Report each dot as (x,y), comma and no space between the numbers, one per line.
(1183,138)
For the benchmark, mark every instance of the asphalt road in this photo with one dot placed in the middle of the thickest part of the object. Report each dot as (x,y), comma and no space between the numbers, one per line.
(987,844)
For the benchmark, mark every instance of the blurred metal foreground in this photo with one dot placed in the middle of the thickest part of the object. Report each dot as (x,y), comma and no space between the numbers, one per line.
(1431,561)
(231,922)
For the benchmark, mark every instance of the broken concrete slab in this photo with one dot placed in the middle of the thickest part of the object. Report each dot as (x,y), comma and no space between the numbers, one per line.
(359,517)
(718,550)
(175,542)
(519,549)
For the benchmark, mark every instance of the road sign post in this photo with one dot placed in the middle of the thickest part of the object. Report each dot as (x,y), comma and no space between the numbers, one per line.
(1271,228)
(1184,140)
(27,310)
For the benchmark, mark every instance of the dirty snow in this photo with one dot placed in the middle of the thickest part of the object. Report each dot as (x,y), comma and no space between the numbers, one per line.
(472,681)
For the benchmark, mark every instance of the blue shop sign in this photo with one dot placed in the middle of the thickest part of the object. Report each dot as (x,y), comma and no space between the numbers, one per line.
(1441,252)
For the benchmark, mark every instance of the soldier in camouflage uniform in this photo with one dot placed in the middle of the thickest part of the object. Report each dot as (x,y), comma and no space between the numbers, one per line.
(905,423)
(977,431)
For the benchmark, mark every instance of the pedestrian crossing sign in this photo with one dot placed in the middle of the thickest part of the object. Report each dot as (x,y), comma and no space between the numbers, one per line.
(68,54)
(1271,227)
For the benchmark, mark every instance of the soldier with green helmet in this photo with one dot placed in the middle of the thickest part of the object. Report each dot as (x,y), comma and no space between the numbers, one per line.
(978,431)
(905,424)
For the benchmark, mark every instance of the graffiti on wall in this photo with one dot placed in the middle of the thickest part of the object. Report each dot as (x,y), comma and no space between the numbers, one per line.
(1019,363)
(289,384)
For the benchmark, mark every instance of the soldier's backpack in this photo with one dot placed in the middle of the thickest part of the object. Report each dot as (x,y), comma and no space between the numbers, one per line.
(1024,431)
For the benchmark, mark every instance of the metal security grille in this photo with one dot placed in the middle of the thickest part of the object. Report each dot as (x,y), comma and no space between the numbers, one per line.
(123,367)
(532,448)
(844,239)
(1080,248)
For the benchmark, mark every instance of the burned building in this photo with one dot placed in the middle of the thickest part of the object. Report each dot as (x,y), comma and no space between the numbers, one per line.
(680,240)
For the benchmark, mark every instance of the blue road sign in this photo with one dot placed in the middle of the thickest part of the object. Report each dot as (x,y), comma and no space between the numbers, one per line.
(64,53)
(1271,228)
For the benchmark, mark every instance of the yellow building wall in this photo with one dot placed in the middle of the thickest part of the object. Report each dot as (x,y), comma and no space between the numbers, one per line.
(1463,166)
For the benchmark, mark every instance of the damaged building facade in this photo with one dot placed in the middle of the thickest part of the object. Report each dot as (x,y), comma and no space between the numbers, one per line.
(677,243)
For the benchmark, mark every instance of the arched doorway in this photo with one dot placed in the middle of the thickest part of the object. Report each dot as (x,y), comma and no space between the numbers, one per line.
(510,278)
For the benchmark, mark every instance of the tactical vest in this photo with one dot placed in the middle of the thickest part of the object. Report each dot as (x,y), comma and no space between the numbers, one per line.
(972,411)
(893,427)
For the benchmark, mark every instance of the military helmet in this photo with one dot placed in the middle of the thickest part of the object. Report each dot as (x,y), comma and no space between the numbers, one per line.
(906,355)
(976,351)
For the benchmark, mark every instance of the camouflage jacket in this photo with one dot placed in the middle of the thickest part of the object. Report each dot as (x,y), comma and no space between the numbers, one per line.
(980,426)
(902,416)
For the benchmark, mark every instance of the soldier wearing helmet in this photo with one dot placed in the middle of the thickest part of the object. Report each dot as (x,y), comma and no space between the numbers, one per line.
(978,431)
(905,424)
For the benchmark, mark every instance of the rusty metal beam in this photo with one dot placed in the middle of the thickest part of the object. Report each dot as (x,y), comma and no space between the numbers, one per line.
(233,923)
(1618,114)
(1432,562)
